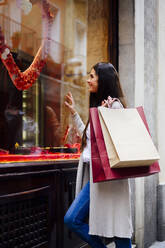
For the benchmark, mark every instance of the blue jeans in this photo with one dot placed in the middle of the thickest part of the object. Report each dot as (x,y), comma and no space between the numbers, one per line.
(75,220)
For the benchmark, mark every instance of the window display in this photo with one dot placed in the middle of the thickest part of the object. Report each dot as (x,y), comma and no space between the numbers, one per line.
(45,52)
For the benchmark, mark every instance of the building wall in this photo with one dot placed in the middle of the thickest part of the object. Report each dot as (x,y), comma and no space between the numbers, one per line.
(161,119)
(150,107)
(127,65)
(139,100)
(138,69)
(127,49)
(161,88)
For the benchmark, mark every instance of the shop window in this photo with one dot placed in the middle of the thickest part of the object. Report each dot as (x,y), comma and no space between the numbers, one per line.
(34,121)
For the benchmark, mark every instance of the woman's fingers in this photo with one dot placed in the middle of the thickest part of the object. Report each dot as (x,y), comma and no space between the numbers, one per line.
(104,103)
(70,107)
(70,94)
(67,104)
(69,100)
(110,100)
(69,97)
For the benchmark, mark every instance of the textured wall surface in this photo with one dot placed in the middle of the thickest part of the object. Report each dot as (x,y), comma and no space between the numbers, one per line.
(127,64)
(150,210)
(161,89)
(161,122)
(135,15)
(150,107)
(161,212)
(150,63)
(127,49)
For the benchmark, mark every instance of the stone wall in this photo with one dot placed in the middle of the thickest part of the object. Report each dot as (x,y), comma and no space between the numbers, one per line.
(126,49)
(161,120)
(150,107)
(138,65)
(127,65)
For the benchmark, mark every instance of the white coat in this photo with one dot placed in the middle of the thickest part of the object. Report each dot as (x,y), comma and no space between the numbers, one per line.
(110,204)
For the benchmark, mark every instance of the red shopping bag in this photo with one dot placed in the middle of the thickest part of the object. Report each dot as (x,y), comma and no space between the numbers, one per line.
(101,169)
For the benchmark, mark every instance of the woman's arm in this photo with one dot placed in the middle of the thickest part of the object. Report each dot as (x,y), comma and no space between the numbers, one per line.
(79,125)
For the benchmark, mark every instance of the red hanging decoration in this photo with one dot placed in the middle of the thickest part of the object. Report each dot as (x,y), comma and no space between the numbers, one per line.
(24,80)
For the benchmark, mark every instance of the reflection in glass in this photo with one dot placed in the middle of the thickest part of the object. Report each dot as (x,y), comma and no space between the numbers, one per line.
(37,117)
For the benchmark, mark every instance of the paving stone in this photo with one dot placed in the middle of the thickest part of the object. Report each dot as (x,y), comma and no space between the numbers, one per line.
(112,245)
(158,245)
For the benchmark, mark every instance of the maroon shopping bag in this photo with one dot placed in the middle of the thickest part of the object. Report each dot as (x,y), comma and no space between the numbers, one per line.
(101,169)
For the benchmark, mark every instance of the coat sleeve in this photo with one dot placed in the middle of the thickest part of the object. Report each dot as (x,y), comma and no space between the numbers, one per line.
(78,123)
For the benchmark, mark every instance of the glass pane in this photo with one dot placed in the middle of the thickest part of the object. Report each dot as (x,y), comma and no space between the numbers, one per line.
(43,48)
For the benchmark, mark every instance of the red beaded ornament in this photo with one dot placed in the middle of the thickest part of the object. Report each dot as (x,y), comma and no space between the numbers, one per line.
(24,80)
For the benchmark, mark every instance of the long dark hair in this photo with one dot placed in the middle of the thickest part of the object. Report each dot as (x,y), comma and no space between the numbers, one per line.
(108,85)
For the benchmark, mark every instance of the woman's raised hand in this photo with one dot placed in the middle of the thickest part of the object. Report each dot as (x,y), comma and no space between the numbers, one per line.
(69,102)
(108,103)
(104,103)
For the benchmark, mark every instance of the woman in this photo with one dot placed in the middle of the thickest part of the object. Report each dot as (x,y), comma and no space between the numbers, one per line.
(107,203)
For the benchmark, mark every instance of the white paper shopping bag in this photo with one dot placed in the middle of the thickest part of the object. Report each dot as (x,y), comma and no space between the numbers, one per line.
(127,140)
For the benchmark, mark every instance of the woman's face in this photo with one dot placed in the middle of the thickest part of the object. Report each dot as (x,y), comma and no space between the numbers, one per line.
(92,82)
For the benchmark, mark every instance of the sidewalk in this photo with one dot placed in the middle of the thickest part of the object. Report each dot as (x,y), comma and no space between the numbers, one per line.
(158,245)
(112,245)
(155,245)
